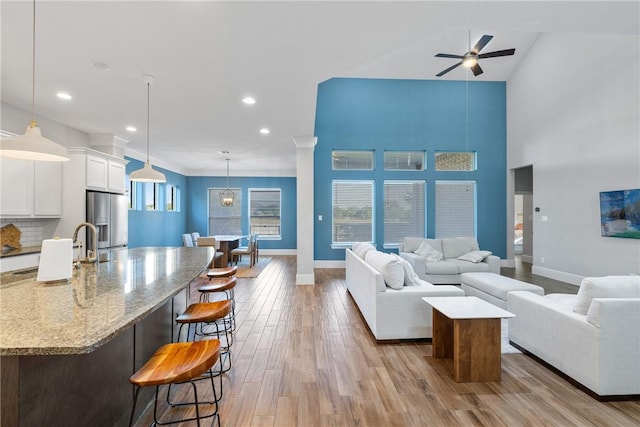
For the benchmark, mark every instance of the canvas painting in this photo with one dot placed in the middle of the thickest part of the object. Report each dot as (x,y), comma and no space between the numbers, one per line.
(620,213)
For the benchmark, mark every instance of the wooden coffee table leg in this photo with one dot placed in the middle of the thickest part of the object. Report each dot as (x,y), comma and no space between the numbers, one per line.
(476,353)
(442,341)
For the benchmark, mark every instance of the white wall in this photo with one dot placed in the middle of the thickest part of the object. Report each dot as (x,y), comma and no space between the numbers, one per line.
(573,114)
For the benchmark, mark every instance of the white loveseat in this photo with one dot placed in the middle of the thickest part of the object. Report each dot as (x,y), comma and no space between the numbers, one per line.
(448,258)
(592,337)
(391,313)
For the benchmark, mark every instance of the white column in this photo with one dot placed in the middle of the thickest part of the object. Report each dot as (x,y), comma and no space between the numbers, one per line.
(304,190)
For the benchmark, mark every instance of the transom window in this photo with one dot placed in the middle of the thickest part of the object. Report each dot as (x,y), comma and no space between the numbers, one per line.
(404,160)
(455,161)
(352,160)
(264,212)
(352,216)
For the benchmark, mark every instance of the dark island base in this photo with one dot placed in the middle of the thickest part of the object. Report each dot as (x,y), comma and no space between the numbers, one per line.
(89,389)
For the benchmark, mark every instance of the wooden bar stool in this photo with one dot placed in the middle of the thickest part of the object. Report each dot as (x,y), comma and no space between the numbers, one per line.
(224,285)
(179,363)
(222,272)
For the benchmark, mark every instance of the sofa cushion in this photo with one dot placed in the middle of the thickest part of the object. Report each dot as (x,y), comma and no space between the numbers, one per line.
(410,276)
(441,267)
(388,265)
(470,267)
(427,251)
(453,248)
(361,248)
(474,256)
(605,287)
(410,244)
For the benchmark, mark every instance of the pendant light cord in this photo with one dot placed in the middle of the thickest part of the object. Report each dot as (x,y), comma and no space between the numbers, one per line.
(227,174)
(33,68)
(148,108)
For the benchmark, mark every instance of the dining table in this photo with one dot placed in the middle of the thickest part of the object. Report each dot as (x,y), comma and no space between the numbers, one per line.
(226,243)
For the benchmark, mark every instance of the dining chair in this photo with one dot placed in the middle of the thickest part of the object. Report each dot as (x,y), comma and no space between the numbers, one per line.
(245,250)
(218,257)
(195,236)
(187,240)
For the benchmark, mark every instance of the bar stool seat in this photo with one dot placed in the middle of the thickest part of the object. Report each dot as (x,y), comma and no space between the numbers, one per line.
(178,363)
(205,312)
(222,271)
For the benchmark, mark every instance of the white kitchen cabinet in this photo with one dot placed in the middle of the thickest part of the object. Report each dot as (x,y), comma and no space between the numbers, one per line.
(97,172)
(47,188)
(115,177)
(30,188)
(105,174)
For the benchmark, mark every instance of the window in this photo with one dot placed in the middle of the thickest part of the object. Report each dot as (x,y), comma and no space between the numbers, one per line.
(352,204)
(404,207)
(404,160)
(455,209)
(264,212)
(171,198)
(455,161)
(225,219)
(151,196)
(352,160)
(132,192)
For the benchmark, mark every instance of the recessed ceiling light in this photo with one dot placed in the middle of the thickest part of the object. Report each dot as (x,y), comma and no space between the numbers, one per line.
(264,131)
(131,129)
(100,65)
(249,100)
(63,95)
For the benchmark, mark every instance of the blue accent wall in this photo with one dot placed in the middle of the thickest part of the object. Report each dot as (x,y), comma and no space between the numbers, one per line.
(157,228)
(379,114)
(197,210)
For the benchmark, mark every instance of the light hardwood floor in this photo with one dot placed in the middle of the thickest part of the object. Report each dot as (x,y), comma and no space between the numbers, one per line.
(303,356)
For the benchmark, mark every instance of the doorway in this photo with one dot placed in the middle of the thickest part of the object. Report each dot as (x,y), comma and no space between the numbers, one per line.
(523,216)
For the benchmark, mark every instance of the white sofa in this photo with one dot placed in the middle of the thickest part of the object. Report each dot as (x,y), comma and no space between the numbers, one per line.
(592,337)
(391,313)
(448,266)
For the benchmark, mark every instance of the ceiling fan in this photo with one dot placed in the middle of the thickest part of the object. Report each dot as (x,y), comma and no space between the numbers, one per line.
(470,59)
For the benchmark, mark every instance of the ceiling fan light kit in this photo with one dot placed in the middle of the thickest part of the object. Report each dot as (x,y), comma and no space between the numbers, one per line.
(471,58)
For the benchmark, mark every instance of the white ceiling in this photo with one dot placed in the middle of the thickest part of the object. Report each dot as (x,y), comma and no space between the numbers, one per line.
(207,55)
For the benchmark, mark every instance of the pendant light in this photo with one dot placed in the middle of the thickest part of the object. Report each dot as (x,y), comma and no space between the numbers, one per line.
(226,196)
(147,173)
(32,145)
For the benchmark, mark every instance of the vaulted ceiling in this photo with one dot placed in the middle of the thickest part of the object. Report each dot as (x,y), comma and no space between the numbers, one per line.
(207,55)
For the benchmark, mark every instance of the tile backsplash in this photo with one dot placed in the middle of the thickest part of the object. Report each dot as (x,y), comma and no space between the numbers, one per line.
(33,229)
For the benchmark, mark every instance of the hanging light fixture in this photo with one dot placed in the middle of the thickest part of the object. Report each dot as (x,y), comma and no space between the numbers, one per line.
(32,145)
(147,173)
(226,196)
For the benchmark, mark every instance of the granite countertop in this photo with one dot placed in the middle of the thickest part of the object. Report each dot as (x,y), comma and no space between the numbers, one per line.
(25,250)
(98,303)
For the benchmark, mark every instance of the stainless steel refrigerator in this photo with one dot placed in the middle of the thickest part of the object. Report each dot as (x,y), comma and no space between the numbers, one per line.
(109,213)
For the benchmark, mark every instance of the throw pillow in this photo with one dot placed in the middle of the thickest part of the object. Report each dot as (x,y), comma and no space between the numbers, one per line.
(605,287)
(391,269)
(474,256)
(410,276)
(427,251)
(361,248)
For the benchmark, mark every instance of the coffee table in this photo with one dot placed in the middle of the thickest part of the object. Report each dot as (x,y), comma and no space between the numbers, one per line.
(467,329)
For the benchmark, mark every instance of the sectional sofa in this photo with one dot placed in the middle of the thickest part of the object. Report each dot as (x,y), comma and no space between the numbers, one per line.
(389,295)
(592,337)
(442,261)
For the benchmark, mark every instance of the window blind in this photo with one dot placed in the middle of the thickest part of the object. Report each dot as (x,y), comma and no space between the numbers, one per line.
(404,210)
(264,212)
(225,219)
(352,217)
(455,209)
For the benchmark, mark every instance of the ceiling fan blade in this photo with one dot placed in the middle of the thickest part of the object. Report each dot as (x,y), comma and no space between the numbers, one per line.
(481,43)
(505,52)
(476,70)
(448,55)
(442,73)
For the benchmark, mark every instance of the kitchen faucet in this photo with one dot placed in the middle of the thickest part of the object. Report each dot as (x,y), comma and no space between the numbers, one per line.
(92,255)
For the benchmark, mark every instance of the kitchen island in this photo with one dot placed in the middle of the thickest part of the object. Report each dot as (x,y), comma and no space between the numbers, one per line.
(67,350)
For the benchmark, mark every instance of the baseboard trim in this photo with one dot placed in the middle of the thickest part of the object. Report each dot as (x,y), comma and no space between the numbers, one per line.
(305,279)
(562,276)
(329,264)
(527,258)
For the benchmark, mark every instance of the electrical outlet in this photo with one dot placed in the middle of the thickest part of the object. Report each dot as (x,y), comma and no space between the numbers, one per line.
(319,217)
